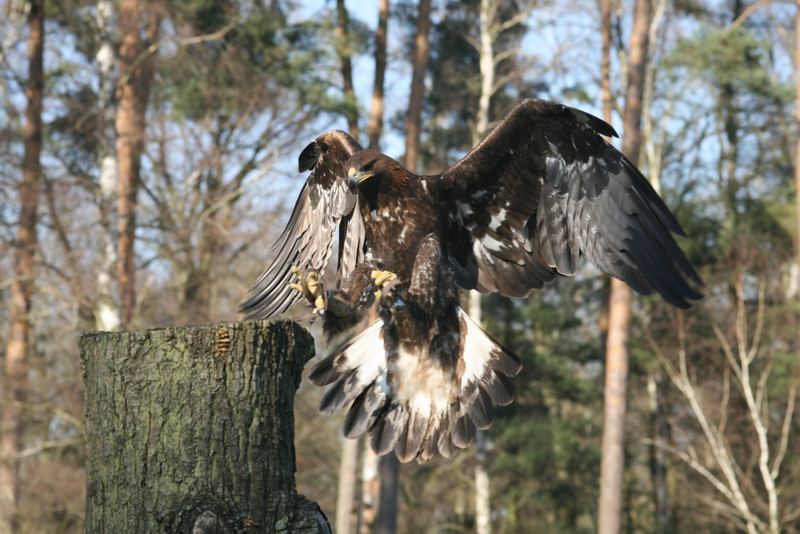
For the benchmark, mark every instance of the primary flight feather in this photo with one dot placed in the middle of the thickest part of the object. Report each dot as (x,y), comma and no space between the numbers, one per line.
(541,191)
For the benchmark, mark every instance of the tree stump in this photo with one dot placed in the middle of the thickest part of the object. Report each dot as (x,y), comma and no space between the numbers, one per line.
(192,429)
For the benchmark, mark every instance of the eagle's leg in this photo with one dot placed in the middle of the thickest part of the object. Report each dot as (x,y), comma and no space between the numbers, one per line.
(311,287)
(350,304)
(414,309)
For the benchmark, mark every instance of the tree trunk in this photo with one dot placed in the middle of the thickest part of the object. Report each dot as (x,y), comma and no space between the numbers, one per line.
(420,65)
(375,123)
(18,347)
(191,429)
(605,62)
(345,52)
(348,463)
(659,433)
(106,311)
(200,277)
(388,466)
(486,15)
(794,291)
(483,510)
(620,300)
(370,486)
(345,496)
(136,73)
(389,474)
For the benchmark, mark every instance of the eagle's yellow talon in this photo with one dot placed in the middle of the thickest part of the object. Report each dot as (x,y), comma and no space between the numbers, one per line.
(378,294)
(313,284)
(311,287)
(382,277)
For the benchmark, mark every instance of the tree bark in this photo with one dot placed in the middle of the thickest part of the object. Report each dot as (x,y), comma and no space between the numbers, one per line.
(18,343)
(348,463)
(794,292)
(620,300)
(419,67)
(486,19)
(106,312)
(345,52)
(346,494)
(389,474)
(605,62)
(370,487)
(375,122)
(191,429)
(659,433)
(136,74)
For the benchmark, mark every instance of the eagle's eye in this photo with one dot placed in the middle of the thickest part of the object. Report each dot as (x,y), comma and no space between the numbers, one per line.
(368,167)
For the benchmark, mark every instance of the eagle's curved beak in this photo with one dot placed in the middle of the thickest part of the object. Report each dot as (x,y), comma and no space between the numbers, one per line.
(355,177)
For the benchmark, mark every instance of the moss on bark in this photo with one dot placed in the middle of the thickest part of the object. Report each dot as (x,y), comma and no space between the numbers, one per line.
(192,429)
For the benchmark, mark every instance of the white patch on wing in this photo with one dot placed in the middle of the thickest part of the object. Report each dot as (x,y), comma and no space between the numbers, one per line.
(490,243)
(480,252)
(367,354)
(478,349)
(498,219)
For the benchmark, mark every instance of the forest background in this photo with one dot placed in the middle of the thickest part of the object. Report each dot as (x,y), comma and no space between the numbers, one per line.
(148,159)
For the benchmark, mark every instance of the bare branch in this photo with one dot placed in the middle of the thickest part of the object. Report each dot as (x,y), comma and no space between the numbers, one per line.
(785,429)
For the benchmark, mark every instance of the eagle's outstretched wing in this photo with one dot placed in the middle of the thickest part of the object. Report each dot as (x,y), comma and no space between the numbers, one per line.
(542,190)
(326,205)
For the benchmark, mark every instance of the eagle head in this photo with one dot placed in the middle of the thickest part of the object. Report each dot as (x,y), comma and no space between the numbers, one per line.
(365,165)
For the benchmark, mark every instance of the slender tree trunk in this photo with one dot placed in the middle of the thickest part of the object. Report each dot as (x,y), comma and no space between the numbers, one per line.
(795,282)
(419,67)
(389,475)
(486,16)
(18,343)
(388,466)
(659,433)
(199,285)
(345,53)
(345,496)
(483,510)
(605,63)
(348,463)
(106,312)
(605,91)
(136,73)
(620,300)
(370,487)
(375,124)
(191,429)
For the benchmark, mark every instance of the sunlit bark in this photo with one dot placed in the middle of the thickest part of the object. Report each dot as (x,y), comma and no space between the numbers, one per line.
(612,463)
(133,89)
(18,347)
(418,68)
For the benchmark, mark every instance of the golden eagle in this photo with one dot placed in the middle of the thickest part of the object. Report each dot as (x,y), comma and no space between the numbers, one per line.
(539,192)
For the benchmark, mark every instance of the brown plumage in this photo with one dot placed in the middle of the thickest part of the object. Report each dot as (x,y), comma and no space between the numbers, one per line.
(539,192)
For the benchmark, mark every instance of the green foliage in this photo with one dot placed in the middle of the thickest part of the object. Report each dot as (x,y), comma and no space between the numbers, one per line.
(729,57)
(259,51)
(546,454)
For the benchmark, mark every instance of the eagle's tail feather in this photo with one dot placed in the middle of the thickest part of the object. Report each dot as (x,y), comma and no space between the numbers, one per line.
(402,411)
